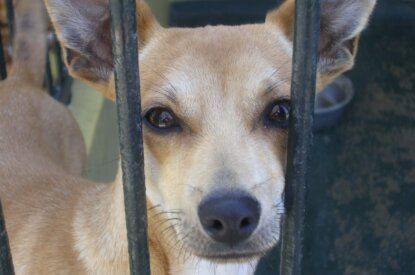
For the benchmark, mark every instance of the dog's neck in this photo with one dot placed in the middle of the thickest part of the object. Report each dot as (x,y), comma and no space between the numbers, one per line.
(100,231)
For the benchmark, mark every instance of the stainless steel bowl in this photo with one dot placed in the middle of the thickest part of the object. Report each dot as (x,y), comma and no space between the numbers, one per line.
(331,102)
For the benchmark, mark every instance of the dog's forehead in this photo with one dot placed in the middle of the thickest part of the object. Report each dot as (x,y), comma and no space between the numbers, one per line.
(217,64)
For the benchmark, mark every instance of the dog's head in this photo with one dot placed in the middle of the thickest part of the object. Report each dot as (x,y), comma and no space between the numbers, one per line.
(216,104)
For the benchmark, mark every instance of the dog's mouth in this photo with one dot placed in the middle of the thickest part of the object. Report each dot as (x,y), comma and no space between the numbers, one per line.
(198,244)
(252,249)
(226,230)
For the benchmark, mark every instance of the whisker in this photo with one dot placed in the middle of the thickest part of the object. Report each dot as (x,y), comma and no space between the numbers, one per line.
(153,207)
(262,183)
(166,212)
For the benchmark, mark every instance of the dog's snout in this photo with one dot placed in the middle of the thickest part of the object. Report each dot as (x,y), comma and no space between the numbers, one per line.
(229,219)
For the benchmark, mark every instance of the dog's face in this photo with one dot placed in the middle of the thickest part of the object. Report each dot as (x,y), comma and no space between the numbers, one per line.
(216,117)
(216,104)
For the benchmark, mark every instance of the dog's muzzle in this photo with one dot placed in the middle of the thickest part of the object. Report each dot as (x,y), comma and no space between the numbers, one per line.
(229,219)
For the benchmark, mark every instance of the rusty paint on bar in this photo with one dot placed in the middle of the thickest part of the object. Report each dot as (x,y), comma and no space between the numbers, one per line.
(306,34)
(125,50)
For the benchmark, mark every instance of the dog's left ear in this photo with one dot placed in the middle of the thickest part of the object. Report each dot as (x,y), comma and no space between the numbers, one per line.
(84,30)
(341,23)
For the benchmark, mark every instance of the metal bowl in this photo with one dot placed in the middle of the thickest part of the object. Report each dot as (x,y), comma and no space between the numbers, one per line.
(331,102)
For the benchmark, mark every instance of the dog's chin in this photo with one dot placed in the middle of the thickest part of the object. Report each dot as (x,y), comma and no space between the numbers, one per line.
(220,253)
(202,246)
(232,257)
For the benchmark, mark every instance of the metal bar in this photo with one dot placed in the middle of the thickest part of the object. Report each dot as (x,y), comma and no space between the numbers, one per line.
(10,19)
(59,87)
(61,67)
(63,84)
(303,85)
(3,61)
(6,263)
(48,75)
(125,50)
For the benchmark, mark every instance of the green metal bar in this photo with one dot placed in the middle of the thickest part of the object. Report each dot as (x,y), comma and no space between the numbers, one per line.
(60,86)
(48,75)
(303,85)
(3,63)
(6,263)
(10,19)
(125,51)
(58,51)
(63,84)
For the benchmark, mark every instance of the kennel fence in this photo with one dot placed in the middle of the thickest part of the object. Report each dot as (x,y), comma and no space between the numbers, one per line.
(130,130)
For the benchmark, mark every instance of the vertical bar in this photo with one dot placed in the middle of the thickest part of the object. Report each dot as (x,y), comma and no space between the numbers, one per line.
(10,19)
(6,264)
(303,85)
(3,62)
(63,83)
(59,86)
(125,50)
(59,62)
(48,76)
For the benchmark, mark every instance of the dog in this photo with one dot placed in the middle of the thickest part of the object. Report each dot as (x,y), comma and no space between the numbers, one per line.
(215,104)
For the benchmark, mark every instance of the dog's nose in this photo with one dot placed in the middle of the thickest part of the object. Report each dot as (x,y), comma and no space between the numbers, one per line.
(229,219)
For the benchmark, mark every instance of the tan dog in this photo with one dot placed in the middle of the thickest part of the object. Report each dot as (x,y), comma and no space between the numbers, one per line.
(215,101)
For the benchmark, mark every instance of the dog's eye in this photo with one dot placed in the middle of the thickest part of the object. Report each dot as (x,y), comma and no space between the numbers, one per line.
(278,114)
(161,118)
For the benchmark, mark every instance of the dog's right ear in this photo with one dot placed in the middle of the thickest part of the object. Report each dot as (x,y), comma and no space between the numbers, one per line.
(341,23)
(83,27)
